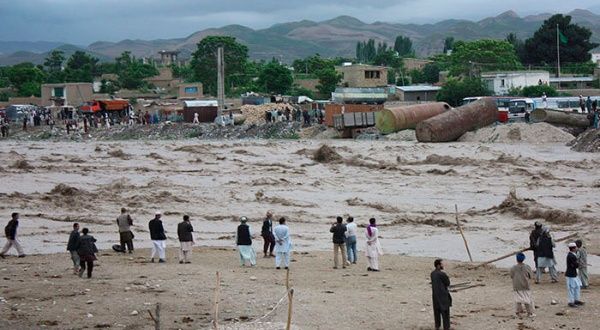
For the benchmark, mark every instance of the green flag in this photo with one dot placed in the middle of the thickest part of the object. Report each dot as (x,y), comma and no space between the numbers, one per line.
(563,38)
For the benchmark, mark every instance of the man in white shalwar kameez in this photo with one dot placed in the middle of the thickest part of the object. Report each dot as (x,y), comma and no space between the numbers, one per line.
(283,244)
(373,250)
(243,239)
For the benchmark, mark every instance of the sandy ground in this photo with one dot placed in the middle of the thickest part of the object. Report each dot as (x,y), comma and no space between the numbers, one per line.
(40,290)
(410,188)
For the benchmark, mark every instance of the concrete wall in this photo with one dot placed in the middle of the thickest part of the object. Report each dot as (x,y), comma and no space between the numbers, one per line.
(74,94)
(500,83)
(415,63)
(425,96)
(360,75)
(185,93)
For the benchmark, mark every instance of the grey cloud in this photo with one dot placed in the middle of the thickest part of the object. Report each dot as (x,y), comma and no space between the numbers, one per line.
(85,21)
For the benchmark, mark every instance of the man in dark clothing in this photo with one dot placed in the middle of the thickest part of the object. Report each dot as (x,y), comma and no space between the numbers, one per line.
(573,282)
(533,239)
(186,239)
(339,242)
(243,240)
(11,237)
(72,247)
(158,237)
(125,222)
(267,234)
(86,248)
(441,296)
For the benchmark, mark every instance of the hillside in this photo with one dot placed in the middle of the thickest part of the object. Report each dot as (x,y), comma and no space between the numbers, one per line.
(334,37)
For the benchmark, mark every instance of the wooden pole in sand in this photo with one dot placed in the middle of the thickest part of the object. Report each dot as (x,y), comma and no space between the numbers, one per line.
(290,299)
(157,318)
(462,233)
(521,250)
(216,302)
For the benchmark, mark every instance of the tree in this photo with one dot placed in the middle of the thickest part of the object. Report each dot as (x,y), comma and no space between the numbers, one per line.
(448,44)
(541,48)
(132,71)
(55,60)
(518,44)
(328,80)
(366,51)
(404,46)
(312,64)
(456,89)
(534,91)
(26,78)
(431,72)
(81,67)
(482,55)
(204,62)
(275,78)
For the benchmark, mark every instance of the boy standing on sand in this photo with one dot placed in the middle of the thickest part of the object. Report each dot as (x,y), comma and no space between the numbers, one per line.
(521,274)
(186,239)
(283,244)
(582,259)
(72,247)
(573,282)
(158,237)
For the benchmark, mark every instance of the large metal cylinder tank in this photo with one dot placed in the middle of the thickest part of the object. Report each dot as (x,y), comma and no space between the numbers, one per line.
(394,119)
(451,125)
(560,118)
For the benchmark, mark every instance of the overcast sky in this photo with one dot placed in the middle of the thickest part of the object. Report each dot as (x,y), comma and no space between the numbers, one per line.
(85,21)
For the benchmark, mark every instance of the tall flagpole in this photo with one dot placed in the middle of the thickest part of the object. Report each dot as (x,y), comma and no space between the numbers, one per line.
(558,51)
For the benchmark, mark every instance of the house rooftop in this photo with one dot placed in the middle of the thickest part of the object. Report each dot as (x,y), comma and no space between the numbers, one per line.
(419,88)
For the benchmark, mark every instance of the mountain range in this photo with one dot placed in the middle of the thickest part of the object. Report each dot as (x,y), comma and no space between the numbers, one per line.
(288,41)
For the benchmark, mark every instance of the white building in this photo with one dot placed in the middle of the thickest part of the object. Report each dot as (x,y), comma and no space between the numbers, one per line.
(501,82)
(596,58)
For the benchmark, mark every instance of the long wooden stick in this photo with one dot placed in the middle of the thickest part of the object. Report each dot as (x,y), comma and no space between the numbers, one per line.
(157,318)
(216,302)
(290,299)
(462,233)
(521,250)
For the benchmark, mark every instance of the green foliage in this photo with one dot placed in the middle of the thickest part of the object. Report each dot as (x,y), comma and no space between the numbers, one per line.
(81,67)
(404,46)
(534,91)
(109,86)
(448,44)
(275,78)
(457,89)
(183,72)
(430,74)
(26,78)
(132,71)
(55,60)
(204,62)
(328,80)
(541,48)
(301,91)
(483,55)
(313,64)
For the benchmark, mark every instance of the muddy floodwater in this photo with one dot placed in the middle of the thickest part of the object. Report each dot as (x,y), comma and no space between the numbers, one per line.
(411,189)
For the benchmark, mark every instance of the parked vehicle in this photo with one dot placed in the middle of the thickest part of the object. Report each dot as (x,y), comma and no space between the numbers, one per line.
(519,108)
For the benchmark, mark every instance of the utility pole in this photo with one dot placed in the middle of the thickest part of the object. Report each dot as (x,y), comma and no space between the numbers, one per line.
(557,52)
(220,82)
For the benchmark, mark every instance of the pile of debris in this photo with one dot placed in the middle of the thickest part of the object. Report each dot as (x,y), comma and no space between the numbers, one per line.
(518,132)
(589,141)
(255,114)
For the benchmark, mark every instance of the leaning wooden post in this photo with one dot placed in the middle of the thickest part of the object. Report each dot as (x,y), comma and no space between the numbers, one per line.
(462,233)
(216,302)
(156,318)
(290,299)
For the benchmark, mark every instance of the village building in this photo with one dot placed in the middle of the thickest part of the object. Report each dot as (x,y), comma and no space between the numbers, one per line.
(362,75)
(73,94)
(502,82)
(411,64)
(417,93)
(190,91)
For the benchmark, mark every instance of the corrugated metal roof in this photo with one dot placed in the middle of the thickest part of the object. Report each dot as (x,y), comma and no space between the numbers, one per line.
(201,103)
(571,79)
(419,88)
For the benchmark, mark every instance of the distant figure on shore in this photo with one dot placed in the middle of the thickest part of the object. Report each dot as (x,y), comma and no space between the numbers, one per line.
(588,104)
(351,230)
(544,101)
(267,234)
(86,248)
(545,253)
(10,231)
(339,242)
(533,240)
(196,118)
(573,282)
(186,239)
(124,221)
(72,247)
(521,274)
(582,103)
(283,244)
(373,250)
(582,260)
(158,237)
(243,240)
(442,300)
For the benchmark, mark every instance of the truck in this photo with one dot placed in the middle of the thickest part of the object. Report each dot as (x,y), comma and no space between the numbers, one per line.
(116,107)
(353,123)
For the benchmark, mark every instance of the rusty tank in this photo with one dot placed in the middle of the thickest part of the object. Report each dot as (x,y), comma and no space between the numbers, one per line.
(394,119)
